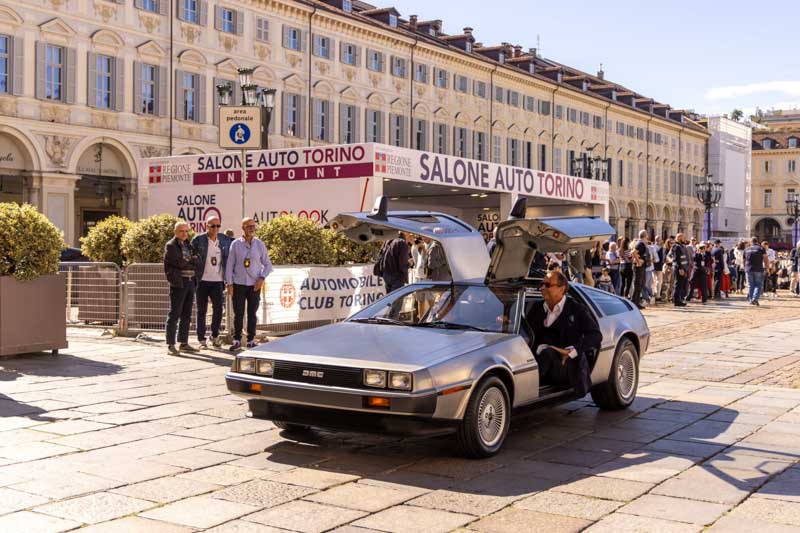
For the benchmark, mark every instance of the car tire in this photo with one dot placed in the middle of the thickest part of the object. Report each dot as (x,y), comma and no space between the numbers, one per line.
(619,391)
(486,421)
(292,428)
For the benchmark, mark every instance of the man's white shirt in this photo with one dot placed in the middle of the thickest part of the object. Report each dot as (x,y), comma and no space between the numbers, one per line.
(212,271)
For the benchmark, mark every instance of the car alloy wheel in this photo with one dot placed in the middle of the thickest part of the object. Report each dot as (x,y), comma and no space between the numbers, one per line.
(491,416)
(626,375)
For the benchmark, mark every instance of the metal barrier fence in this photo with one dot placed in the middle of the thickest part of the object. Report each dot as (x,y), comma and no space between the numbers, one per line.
(93,294)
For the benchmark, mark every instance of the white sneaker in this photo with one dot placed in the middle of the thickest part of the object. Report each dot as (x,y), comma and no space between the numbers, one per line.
(203,344)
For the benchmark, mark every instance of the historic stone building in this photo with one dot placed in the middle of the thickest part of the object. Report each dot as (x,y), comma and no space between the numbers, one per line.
(88,87)
(776,158)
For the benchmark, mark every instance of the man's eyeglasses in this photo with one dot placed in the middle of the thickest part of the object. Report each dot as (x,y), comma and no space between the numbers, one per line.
(214,226)
(548,284)
(253,226)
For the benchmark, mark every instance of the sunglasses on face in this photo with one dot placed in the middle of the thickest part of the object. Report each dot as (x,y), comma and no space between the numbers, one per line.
(214,226)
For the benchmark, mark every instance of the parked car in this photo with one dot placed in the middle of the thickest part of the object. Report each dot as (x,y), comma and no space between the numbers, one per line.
(436,357)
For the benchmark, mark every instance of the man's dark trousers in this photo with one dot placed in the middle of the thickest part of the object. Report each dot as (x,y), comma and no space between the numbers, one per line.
(638,284)
(206,290)
(180,308)
(551,369)
(718,283)
(681,285)
(245,294)
(393,282)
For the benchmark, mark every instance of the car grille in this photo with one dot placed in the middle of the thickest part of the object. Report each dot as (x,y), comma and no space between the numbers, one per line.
(333,376)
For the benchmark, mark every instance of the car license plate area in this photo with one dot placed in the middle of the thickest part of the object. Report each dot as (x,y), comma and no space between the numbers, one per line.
(332,376)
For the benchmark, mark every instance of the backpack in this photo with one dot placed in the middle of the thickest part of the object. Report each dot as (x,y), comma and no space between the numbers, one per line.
(377,269)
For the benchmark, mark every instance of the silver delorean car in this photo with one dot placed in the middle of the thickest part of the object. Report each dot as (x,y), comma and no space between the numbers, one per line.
(436,357)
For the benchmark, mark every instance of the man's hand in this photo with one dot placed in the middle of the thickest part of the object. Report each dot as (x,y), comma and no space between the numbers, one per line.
(259,284)
(230,290)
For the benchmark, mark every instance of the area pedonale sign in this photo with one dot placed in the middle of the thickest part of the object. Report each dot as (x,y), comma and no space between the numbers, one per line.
(320,182)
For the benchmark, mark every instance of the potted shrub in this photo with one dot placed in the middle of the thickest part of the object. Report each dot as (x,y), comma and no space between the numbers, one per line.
(98,287)
(32,294)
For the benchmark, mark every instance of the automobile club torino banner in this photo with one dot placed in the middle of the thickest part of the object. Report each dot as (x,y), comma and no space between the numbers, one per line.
(299,294)
(315,182)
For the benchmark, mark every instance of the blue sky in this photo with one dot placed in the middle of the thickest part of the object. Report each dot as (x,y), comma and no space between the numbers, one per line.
(710,56)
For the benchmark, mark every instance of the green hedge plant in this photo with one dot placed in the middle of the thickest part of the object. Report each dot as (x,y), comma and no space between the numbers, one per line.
(104,241)
(29,243)
(344,250)
(145,241)
(294,241)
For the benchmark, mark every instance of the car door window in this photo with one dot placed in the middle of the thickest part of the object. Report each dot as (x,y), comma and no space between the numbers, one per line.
(608,304)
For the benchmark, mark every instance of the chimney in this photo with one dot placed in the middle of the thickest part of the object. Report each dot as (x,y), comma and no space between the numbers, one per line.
(468,31)
(533,52)
(517,51)
(412,22)
(478,45)
(600,73)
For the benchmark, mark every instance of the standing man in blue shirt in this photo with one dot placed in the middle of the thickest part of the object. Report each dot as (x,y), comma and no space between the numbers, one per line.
(212,250)
(755,263)
(248,265)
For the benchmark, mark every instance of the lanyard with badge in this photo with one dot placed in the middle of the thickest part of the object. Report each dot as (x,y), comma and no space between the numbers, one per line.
(216,251)
(247,257)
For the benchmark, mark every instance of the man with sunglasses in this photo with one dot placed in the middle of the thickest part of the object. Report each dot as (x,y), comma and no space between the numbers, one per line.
(565,332)
(247,267)
(212,248)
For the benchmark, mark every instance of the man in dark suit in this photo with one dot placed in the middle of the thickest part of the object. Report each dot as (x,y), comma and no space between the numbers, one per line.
(565,331)
(180,262)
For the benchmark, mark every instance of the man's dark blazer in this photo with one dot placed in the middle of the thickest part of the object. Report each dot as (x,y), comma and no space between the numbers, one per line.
(175,264)
(577,327)
(200,245)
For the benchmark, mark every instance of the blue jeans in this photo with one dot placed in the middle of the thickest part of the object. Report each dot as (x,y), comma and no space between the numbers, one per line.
(755,285)
(616,281)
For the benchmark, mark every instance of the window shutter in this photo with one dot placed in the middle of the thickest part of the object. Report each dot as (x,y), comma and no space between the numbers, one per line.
(381,127)
(303,116)
(181,9)
(119,84)
(467,143)
(162,98)
(202,7)
(218,18)
(342,131)
(239,19)
(163,7)
(358,56)
(317,39)
(381,62)
(329,114)
(71,56)
(180,109)
(285,113)
(200,93)
(403,131)
(314,119)
(356,124)
(91,79)
(215,100)
(341,51)
(137,87)
(303,40)
(285,36)
(138,4)
(18,66)
(331,48)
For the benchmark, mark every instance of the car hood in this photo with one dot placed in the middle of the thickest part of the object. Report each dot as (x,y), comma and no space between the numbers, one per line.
(376,345)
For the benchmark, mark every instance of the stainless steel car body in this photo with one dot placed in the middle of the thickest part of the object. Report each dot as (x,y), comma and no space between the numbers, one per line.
(446,364)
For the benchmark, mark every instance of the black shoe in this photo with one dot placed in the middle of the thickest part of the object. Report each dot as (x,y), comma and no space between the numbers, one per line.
(755,302)
(236,346)
(251,344)
(188,348)
(640,307)
(680,304)
(172,350)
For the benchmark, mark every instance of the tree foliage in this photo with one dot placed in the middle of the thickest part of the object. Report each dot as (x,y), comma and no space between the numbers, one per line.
(104,241)
(29,243)
(145,241)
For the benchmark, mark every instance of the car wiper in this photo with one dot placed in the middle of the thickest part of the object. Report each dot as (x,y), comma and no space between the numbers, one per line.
(448,325)
(380,320)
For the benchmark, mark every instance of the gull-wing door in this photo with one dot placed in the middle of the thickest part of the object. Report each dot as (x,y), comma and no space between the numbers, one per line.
(518,238)
(463,245)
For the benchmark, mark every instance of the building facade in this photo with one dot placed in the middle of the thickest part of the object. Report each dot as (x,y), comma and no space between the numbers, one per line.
(776,178)
(89,87)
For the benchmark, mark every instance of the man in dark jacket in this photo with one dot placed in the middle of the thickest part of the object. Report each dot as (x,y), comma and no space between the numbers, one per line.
(565,332)
(718,257)
(395,260)
(641,260)
(180,262)
(680,266)
(212,250)
(700,272)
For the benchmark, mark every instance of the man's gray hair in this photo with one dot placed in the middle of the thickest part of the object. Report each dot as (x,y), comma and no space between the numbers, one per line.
(643,234)
(180,223)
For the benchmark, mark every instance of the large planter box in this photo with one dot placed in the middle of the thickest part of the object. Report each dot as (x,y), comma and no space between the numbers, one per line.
(32,315)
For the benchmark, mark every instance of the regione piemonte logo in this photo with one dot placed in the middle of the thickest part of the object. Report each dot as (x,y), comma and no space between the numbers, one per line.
(155,174)
(380,162)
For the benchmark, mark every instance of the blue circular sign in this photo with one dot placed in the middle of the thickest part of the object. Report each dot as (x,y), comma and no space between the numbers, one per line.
(239,133)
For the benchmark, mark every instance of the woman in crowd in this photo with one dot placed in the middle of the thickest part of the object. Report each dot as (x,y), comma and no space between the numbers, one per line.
(627,266)
(738,260)
(668,283)
(613,262)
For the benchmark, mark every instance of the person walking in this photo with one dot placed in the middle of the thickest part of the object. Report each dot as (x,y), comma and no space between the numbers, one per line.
(699,274)
(680,270)
(395,262)
(247,267)
(613,260)
(659,252)
(180,262)
(668,280)
(641,258)
(627,266)
(756,263)
(738,260)
(794,256)
(212,249)
(718,259)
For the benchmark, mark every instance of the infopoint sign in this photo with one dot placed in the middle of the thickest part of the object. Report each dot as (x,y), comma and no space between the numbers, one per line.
(320,182)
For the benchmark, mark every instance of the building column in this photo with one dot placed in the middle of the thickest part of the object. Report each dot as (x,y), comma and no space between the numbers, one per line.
(31,190)
(621,226)
(130,200)
(58,203)
(658,225)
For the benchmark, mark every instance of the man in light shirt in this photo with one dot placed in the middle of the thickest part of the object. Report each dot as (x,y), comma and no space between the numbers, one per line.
(212,250)
(247,268)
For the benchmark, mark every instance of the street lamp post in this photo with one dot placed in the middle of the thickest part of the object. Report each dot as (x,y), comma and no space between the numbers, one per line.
(251,96)
(709,194)
(590,167)
(793,210)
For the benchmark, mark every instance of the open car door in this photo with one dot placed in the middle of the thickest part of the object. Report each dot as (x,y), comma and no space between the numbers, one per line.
(518,238)
(463,245)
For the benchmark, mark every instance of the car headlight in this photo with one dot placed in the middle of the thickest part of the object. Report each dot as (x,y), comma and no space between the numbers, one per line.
(247,365)
(264,367)
(400,380)
(375,378)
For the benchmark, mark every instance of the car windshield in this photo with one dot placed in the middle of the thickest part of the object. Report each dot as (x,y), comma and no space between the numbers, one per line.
(467,307)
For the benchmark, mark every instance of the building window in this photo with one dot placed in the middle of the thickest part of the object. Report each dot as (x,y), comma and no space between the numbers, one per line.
(421,73)
(375,61)
(792,142)
(767,144)
(766,166)
(528,163)
(292,38)
(440,138)
(420,135)
(630,174)
(322,120)
(513,98)
(392,20)
(479,89)
(767,197)
(189,97)
(513,152)
(572,115)
(5,62)
(348,120)
(496,149)
(374,133)
(479,146)
(149,88)
(620,173)
(322,46)
(585,118)
(792,165)
(461,84)
(349,54)
(460,142)
(54,69)
(292,114)
(597,122)
(104,82)
(150,5)
(530,104)
(399,67)
(440,78)
(559,112)
(347,6)
(228,20)
(262,29)
(544,108)
(190,11)
(641,176)
(621,128)
(499,95)
(542,157)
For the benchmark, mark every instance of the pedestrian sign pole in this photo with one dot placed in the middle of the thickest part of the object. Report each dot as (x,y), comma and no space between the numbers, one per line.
(240,128)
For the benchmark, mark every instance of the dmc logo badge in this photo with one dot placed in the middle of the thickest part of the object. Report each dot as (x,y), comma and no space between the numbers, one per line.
(287,294)
(313,374)
(155,174)
(380,162)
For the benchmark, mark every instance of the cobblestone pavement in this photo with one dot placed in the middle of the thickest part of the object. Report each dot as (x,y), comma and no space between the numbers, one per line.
(113,435)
